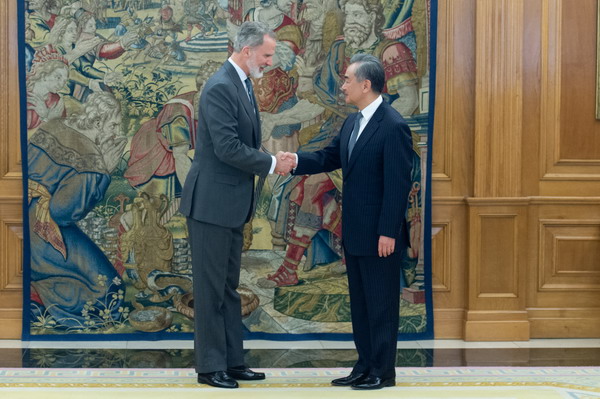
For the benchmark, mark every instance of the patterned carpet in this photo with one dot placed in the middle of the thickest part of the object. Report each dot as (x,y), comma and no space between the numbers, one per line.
(417,383)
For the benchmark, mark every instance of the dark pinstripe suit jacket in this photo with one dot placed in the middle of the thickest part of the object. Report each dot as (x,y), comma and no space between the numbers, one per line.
(220,184)
(376,179)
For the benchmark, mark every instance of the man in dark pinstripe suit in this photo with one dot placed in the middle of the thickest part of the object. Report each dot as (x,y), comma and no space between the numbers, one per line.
(374,151)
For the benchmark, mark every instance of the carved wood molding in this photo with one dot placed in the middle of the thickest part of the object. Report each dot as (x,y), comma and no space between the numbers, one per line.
(441,256)
(11,233)
(563,266)
(497,255)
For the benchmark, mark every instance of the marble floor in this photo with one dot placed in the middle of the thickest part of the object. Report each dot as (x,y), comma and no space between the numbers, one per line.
(298,354)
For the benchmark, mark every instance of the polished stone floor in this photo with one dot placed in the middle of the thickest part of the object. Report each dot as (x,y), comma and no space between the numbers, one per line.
(298,354)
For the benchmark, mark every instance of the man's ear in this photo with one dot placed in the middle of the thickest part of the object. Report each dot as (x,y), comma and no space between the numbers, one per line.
(366,85)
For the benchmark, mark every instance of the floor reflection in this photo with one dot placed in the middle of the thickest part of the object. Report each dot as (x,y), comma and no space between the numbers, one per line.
(297,358)
(184,358)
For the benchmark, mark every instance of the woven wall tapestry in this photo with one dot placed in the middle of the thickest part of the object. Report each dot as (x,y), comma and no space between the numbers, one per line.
(110,91)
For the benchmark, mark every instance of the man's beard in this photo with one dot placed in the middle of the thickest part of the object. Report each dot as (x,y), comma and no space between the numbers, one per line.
(254,69)
(356,34)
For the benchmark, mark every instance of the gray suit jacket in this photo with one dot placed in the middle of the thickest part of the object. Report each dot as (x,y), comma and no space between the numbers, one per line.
(220,185)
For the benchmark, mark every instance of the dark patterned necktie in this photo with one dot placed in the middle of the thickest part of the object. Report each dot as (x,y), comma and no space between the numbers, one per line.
(354,134)
(250,92)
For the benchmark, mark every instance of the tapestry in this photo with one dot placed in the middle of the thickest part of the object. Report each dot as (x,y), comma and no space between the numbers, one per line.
(109,93)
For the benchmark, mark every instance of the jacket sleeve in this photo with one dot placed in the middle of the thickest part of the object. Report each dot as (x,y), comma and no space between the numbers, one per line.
(397,166)
(325,160)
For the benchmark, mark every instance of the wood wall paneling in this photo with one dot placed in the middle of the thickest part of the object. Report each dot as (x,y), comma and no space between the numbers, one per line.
(570,148)
(563,288)
(11,269)
(452,157)
(11,230)
(497,270)
(498,98)
(449,269)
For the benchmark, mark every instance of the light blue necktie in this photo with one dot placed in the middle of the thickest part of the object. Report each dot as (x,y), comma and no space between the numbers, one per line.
(354,135)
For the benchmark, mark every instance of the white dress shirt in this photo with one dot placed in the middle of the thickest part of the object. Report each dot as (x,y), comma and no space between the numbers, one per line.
(367,114)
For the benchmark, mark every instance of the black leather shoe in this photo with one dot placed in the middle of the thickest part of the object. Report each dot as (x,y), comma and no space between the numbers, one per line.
(218,379)
(353,378)
(373,382)
(244,373)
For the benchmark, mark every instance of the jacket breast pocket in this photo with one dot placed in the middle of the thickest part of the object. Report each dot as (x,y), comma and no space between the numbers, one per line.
(227,179)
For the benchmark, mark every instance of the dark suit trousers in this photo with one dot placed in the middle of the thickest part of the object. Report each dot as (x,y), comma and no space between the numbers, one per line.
(216,259)
(374,286)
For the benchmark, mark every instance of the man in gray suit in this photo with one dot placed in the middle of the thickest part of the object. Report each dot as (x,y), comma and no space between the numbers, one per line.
(218,198)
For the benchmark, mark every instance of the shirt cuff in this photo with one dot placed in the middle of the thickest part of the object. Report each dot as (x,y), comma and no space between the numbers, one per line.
(273,164)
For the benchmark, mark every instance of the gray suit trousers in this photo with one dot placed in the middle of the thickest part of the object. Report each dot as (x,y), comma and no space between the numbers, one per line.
(216,260)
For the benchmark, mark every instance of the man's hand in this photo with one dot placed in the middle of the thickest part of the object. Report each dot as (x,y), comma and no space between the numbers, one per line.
(386,246)
(286,161)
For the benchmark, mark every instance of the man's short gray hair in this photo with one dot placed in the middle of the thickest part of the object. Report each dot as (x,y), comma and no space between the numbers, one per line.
(251,34)
(370,68)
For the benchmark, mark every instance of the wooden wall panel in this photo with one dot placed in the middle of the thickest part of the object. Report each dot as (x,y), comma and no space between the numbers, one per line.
(579,137)
(11,231)
(498,98)
(496,277)
(563,292)
(441,254)
(11,235)
(497,270)
(452,168)
(449,269)
(452,155)
(569,255)
(564,258)
(11,268)
(570,146)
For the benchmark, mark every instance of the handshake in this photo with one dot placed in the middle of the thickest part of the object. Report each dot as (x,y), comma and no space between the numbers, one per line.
(286,161)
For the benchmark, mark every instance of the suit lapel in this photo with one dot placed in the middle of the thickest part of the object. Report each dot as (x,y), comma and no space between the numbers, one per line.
(243,93)
(364,138)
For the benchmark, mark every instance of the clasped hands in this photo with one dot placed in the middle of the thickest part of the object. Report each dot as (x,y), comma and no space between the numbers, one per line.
(286,161)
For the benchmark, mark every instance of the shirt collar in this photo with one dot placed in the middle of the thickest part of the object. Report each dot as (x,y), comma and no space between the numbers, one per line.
(370,109)
(239,70)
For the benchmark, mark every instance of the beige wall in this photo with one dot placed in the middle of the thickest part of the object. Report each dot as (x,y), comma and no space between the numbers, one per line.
(516,172)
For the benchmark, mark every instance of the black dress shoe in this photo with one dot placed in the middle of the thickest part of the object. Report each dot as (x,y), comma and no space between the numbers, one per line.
(353,378)
(218,379)
(244,373)
(373,382)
